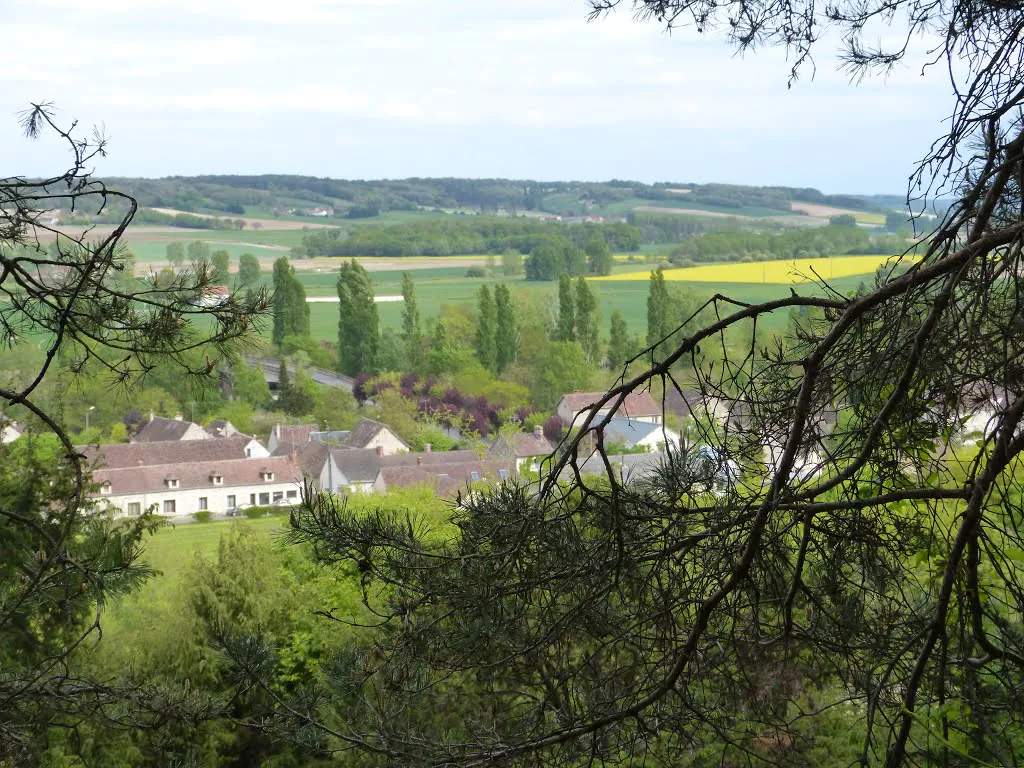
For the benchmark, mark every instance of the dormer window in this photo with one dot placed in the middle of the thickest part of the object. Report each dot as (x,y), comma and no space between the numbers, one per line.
(105,488)
(217,479)
(172,482)
(266,477)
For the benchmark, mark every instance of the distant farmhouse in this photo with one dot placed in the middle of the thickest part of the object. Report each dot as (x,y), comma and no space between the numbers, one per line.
(527,448)
(638,406)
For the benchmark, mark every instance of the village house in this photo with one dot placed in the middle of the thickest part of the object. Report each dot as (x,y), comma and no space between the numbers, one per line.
(222,428)
(633,433)
(213,296)
(159,429)
(127,455)
(198,486)
(367,434)
(639,406)
(10,431)
(528,449)
(447,479)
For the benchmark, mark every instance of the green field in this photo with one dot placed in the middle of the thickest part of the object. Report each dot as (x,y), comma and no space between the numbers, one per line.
(168,551)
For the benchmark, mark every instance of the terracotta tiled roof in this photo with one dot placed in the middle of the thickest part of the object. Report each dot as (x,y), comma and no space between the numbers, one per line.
(530,444)
(200,474)
(121,455)
(636,404)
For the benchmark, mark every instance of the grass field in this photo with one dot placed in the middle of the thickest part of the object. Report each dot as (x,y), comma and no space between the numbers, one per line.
(782,272)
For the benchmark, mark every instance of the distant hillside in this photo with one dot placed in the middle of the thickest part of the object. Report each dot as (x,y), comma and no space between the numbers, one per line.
(310,197)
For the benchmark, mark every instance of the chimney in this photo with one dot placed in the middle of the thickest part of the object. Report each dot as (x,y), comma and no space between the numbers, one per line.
(538,431)
(419,460)
(427,447)
(294,456)
(380,450)
(178,417)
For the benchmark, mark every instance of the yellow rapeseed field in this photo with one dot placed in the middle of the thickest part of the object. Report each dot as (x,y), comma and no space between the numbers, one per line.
(786,272)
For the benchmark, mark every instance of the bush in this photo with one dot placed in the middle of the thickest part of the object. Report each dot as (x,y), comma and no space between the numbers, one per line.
(476,272)
(202,516)
(254,512)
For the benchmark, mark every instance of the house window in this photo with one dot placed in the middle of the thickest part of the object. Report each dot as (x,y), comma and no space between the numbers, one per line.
(134,508)
(105,488)
(266,476)
(278,495)
(171,483)
(169,507)
(248,453)
(293,494)
(203,503)
(252,499)
(217,479)
(231,502)
(264,499)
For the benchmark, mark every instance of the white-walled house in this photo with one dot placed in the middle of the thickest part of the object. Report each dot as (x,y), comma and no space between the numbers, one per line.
(126,455)
(10,431)
(637,406)
(183,489)
(284,437)
(632,433)
(366,435)
(527,448)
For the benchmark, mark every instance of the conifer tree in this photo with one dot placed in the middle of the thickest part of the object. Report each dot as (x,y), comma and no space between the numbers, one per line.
(566,329)
(506,334)
(358,321)
(484,343)
(586,320)
(412,334)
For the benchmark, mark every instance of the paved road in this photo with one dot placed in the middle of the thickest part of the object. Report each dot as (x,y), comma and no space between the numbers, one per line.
(272,372)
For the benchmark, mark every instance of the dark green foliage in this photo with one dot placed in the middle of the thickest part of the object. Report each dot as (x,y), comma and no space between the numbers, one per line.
(473,235)
(587,320)
(176,253)
(600,257)
(202,516)
(659,314)
(296,395)
(412,331)
(291,312)
(358,322)
(554,257)
(842,220)
(622,345)
(506,334)
(391,352)
(484,343)
(198,252)
(221,261)
(476,272)
(805,243)
(248,269)
(566,328)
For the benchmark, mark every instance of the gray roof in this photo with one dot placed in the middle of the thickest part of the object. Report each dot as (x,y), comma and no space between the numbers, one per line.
(363,433)
(198,474)
(120,455)
(628,432)
(293,434)
(361,465)
(222,428)
(630,466)
(159,429)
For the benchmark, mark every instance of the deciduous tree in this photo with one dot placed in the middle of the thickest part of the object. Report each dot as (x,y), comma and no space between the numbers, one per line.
(565,330)
(483,342)
(506,334)
(587,320)
(358,323)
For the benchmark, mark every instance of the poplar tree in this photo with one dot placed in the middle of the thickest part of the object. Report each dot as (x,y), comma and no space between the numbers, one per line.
(599,256)
(621,344)
(586,320)
(358,321)
(566,328)
(412,334)
(248,269)
(506,334)
(291,312)
(484,343)
(658,310)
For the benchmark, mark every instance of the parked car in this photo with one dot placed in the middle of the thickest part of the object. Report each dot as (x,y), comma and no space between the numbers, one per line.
(237,510)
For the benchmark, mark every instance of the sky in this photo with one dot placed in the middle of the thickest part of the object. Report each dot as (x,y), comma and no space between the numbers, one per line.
(473,88)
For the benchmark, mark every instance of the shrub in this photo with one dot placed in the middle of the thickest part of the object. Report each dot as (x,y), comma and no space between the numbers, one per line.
(254,512)
(202,516)
(476,272)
